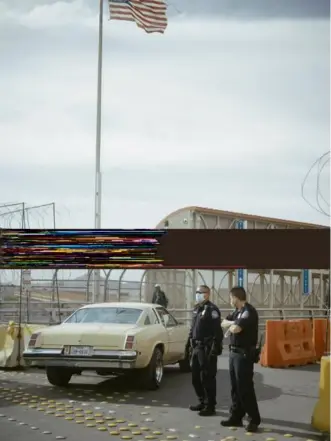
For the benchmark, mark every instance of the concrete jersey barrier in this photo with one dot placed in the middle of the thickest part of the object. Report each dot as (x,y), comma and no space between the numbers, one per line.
(6,346)
(11,346)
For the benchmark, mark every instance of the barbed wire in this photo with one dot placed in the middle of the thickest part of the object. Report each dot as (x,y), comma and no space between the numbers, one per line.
(172,5)
(12,216)
(321,163)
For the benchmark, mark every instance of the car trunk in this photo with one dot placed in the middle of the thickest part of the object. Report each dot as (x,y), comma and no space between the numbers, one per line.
(97,335)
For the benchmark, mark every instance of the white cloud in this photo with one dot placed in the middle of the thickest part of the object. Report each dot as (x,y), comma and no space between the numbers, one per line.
(230,113)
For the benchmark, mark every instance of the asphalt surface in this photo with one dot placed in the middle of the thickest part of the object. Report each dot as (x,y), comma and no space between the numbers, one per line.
(93,408)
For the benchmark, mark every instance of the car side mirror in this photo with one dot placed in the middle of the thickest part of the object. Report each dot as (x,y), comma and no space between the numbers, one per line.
(166,320)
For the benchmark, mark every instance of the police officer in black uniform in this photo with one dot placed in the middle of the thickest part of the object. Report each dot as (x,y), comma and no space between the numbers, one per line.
(244,352)
(206,338)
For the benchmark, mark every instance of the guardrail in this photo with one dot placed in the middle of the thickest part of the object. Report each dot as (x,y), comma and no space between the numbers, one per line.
(267,314)
(55,313)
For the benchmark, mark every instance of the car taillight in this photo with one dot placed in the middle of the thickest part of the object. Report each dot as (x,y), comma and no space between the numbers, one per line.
(129,342)
(33,340)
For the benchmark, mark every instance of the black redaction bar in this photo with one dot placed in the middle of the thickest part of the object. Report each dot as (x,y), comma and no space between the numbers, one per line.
(251,249)
(51,249)
(208,249)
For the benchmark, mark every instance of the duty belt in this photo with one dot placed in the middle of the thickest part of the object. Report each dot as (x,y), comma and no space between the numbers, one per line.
(198,343)
(206,342)
(239,350)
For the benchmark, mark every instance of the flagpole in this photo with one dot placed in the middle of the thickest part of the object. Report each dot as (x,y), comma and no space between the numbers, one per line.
(98,177)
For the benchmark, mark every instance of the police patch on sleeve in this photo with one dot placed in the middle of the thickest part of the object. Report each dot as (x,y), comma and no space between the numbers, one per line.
(245,314)
(215,314)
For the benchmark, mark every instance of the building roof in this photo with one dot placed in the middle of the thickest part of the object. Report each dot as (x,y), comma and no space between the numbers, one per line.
(252,217)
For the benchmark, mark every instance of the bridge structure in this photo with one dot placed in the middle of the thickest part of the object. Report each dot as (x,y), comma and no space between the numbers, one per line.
(266,288)
(271,291)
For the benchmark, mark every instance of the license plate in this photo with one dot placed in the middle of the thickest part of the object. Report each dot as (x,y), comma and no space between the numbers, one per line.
(80,351)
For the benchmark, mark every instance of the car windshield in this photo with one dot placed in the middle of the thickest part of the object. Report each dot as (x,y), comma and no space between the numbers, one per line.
(105,315)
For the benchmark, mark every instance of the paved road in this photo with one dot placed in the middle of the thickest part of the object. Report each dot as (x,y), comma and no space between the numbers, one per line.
(97,409)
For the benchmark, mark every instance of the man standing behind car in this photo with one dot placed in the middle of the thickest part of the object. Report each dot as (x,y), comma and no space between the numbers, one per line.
(206,337)
(159,297)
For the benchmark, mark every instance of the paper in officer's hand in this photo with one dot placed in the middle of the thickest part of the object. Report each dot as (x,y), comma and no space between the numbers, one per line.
(227,334)
(227,323)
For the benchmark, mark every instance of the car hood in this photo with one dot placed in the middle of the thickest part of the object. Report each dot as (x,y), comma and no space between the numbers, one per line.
(89,334)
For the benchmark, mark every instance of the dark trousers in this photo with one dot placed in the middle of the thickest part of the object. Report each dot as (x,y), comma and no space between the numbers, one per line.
(204,370)
(242,388)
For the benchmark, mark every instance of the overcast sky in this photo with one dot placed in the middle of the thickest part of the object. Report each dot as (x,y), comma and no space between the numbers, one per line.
(228,109)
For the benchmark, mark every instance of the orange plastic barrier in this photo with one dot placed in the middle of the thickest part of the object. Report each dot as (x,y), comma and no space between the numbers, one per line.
(288,343)
(321,336)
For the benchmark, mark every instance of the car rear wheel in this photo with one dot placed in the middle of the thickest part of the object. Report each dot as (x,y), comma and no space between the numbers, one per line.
(151,376)
(58,376)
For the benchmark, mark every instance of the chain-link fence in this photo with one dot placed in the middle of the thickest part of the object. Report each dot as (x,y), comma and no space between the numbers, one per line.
(47,291)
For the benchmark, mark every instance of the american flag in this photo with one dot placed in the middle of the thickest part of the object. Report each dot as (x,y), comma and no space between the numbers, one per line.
(149,15)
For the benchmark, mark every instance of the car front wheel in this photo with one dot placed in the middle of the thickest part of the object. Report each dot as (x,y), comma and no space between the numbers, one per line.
(58,376)
(151,376)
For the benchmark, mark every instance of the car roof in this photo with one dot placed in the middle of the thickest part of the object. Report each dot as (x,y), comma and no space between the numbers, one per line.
(133,305)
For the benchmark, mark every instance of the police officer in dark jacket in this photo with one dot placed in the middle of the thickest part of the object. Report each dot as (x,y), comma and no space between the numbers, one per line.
(206,338)
(244,352)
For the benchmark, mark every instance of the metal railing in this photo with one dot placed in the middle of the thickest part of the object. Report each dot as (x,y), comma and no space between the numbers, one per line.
(280,290)
(55,313)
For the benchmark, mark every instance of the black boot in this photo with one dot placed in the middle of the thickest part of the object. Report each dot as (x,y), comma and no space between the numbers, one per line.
(197,407)
(252,427)
(208,411)
(232,422)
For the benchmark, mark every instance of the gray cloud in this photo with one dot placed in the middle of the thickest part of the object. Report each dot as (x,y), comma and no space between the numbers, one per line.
(252,9)
(247,9)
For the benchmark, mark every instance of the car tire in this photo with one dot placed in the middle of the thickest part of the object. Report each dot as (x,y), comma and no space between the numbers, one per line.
(58,376)
(186,364)
(151,376)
